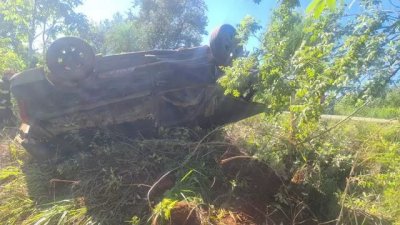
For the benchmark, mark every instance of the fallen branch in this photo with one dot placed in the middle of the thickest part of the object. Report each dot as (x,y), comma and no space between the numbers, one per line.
(224,161)
(74,182)
(346,189)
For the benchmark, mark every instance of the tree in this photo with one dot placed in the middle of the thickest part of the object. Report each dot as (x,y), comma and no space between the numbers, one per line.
(116,35)
(151,24)
(40,21)
(123,37)
(305,63)
(316,7)
(293,66)
(54,17)
(170,24)
(14,25)
(13,36)
(9,59)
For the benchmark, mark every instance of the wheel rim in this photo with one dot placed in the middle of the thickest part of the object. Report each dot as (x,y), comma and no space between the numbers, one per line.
(70,58)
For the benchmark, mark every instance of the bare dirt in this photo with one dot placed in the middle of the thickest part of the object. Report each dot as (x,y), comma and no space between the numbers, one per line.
(250,203)
(185,213)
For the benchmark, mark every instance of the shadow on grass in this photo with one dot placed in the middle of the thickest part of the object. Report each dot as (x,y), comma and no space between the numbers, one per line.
(112,177)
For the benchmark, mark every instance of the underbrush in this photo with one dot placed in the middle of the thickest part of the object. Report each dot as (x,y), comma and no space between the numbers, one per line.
(385,106)
(384,112)
(349,175)
(116,180)
(25,194)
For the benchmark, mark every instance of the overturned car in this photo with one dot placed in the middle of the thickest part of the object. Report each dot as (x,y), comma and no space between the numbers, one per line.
(80,90)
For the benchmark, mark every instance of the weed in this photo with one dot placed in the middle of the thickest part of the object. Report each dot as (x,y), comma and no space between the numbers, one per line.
(320,167)
(109,182)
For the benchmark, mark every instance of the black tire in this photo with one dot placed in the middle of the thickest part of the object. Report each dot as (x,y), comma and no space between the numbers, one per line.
(70,59)
(222,44)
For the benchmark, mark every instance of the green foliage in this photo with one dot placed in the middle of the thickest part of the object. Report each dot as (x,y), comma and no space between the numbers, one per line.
(192,186)
(23,199)
(14,22)
(167,24)
(163,209)
(295,65)
(240,76)
(12,35)
(384,112)
(119,34)
(58,17)
(62,212)
(38,21)
(385,106)
(108,184)
(9,173)
(322,166)
(9,59)
(304,63)
(122,38)
(316,7)
(134,221)
(248,27)
(375,188)
(151,25)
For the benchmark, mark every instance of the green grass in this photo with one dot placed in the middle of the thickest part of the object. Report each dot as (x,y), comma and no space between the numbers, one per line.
(373,112)
(325,163)
(108,183)
(25,197)
(386,106)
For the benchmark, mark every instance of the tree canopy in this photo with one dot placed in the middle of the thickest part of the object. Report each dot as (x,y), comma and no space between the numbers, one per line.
(167,24)
(151,24)
(306,63)
(32,24)
(29,26)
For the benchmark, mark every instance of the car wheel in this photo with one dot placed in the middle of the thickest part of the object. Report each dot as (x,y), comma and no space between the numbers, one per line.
(70,59)
(222,44)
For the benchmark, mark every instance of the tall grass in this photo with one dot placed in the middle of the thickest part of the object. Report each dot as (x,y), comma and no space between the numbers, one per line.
(108,183)
(350,175)
(385,112)
(386,106)
(25,196)
(353,168)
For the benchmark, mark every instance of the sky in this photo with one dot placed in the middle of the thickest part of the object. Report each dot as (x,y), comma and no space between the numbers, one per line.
(219,11)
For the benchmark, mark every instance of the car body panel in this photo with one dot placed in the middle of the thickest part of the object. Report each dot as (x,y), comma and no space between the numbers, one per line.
(172,87)
(163,87)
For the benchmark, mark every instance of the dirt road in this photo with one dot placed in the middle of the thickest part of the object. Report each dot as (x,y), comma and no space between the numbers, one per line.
(362,119)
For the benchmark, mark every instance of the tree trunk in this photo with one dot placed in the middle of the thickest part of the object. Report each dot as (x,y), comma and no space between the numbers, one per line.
(293,127)
(44,42)
(288,161)
(31,35)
